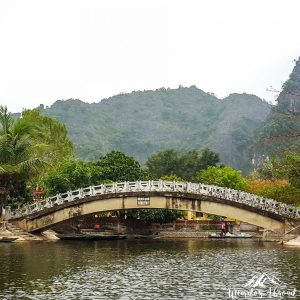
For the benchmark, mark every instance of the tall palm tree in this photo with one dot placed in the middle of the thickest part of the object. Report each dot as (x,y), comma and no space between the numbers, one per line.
(18,158)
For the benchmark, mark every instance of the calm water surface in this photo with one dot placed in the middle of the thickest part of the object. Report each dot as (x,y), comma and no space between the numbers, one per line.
(141,269)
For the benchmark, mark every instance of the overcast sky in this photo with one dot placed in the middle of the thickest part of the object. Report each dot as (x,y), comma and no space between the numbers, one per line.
(91,50)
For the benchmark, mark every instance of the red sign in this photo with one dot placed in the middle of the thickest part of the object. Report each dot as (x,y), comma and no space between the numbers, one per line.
(37,194)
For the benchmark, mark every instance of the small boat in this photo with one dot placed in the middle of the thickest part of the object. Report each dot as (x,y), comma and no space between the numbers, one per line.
(241,235)
(7,239)
(91,237)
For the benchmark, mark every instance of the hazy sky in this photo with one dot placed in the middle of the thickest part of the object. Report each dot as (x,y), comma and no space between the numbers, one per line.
(91,50)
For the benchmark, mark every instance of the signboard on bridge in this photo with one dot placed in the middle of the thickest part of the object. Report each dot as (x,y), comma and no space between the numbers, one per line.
(143,200)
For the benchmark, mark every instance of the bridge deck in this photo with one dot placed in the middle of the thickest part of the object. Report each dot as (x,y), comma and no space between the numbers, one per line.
(258,202)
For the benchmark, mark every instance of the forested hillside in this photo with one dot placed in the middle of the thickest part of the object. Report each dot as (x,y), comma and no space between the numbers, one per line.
(144,122)
(281,130)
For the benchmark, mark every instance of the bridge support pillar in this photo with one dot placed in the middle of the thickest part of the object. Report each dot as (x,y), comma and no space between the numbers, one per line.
(22,224)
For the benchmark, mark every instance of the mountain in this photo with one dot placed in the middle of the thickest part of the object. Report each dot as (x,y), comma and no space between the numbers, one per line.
(144,122)
(281,130)
(289,98)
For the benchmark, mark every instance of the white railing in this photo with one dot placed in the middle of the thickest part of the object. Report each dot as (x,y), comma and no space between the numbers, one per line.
(258,202)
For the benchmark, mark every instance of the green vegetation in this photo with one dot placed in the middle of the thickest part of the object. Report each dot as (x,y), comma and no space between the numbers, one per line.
(291,169)
(156,215)
(186,165)
(113,167)
(279,134)
(172,178)
(286,167)
(278,179)
(50,136)
(280,190)
(163,130)
(73,174)
(281,131)
(292,84)
(28,146)
(143,123)
(117,166)
(223,176)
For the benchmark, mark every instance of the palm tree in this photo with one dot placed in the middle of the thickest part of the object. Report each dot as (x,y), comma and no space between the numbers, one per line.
(18,156)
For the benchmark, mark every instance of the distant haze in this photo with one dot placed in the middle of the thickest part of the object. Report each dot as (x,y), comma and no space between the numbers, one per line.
(95,49)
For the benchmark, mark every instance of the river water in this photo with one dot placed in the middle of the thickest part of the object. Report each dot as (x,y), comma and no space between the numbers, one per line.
(146,269)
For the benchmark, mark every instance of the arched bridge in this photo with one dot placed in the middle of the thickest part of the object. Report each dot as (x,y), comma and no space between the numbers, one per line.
(159,194)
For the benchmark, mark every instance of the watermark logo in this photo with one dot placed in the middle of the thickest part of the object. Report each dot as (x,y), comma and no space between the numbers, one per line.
(263,280)
(263,286)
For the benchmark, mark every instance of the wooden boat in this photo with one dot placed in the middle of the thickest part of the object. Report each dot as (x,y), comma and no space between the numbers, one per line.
(7,239)
(91,237)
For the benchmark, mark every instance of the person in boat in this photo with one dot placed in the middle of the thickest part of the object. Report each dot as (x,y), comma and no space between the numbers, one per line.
(230,227)
(226,227)
(223,229)
(97,227)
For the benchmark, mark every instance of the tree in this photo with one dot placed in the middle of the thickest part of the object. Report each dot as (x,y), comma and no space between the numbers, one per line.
(18,156)
(278,179)
(117,166)
(208,158)
(291,168)
(163,163)
(286,167)
(156,215)
(28,146)
(172,178)
(73,174)
(50,137)
(223,176)
(278,189)
(186,165)
(70,175)
(192,162)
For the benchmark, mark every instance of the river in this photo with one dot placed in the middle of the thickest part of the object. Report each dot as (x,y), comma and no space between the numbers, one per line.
(145,269)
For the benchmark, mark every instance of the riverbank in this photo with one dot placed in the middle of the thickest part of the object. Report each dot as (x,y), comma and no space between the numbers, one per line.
(294,242)
(10,230)
(51,235)
(187,230)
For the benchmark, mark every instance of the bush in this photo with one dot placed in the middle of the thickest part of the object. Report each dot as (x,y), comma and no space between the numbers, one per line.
(223,176)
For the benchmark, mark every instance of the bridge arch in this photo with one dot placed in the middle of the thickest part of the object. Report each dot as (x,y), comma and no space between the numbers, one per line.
(252,209)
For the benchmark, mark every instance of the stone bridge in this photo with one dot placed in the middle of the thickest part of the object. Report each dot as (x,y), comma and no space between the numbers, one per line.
(185,196)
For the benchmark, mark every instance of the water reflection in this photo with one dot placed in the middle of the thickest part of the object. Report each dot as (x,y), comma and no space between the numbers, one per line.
(140,269)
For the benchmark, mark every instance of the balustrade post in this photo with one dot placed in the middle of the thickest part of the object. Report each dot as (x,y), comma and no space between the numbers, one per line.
(69,196)
(150,184)
(160,185)
(188,187)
